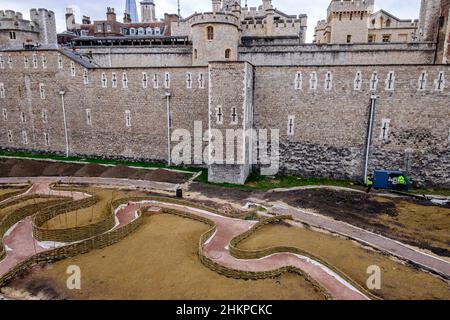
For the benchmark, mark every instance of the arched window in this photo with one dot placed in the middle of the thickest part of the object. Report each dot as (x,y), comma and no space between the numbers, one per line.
(227,53)
(195,54)
(210,33)
(388,23)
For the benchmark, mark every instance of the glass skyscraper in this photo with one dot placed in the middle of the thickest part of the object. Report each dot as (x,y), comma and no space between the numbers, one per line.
(131,9)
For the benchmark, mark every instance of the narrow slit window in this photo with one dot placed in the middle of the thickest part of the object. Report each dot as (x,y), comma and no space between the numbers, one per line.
(374,81)
(144,80)
(358,81)
(73,70)
(105,81)
(128,118)
(44,116)
(88,117)
(5,114)
(155,81)
(2,91)
(114,80)
(124,80)
(291,125)
(189,80)
(24,137)
(167,80)
(390,81)
(10,136)
(42,91)
(35,61)
(298,81)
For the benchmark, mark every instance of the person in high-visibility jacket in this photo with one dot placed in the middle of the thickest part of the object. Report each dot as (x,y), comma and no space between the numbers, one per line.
(401,183)
(369,183)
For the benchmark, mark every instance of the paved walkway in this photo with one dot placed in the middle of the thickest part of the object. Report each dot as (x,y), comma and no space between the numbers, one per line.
(112,182)
(398,249)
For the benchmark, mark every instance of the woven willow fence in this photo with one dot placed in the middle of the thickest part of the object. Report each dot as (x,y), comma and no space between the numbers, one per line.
(5,196)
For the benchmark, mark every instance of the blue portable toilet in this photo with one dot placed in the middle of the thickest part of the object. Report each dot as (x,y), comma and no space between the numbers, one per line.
(387,179)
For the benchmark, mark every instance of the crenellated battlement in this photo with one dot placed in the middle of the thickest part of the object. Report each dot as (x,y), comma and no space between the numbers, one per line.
(342,6)
(213,17)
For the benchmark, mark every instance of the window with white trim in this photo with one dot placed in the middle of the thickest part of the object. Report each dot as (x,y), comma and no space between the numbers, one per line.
(44,116)
(114,80)
(155,81)
(44,62)
(144,80)
(128,118)
(26,62)
(291,125)
(357,84)
(298,82)
(439,82)
(219,115)
(201,80)
(73,70)
(35,61)
(390,81)
(24,137)
(2,91)
(328,81)
(86,77)
(23,117)
(384,133)
(188,80)
(88,117)
(313,80)
(46,139)
(234,115)
(422,82)
(10,136)
(374,81)
(167,80)
(60,62)
(124,80)
(105,80)
(2,62)
(5,114)
(42,91)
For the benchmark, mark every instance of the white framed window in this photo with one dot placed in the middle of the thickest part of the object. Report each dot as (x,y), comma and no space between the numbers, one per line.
(374,81)
(234,116)
(10,136)
(105,80)
(60,62)
(73,70)
(10,62)
(25,62)
(439,82)
(144,80)
(384,133)
(357,84)
(390,81)
(35,61)
(155,81)
(5,114)
(2,62)
(42,91)
(2,91)
(422,81)
(24,137)
(124,80)
(44,116)
(108,28)
(201,80)
(328,81)
(44,62)
(291,125)
(23,117)
(313,80)
(219,115)
(188,80)
(46,139)
(113,80)
(86,77)
(128,118)
(298,81)
(88,117)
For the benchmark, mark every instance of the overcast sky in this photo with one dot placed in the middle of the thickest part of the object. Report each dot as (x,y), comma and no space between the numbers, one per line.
(315,9)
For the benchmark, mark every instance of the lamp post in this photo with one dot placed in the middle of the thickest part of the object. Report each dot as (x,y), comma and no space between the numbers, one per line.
(62,93)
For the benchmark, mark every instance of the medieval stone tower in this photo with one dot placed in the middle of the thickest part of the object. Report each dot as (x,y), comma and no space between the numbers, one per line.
(348,20)
(215,36)
(227,5)
(429,19)
(47,26)
(148,13)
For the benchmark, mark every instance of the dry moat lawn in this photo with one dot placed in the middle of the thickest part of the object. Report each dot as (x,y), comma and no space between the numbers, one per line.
(158,261)
(399,281)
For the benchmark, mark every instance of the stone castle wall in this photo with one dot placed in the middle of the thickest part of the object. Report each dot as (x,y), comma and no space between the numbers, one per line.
(329,134)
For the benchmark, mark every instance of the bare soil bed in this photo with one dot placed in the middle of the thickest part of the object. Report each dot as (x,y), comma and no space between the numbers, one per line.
(158,261)
(35,168)
(398,281)
(418,223)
